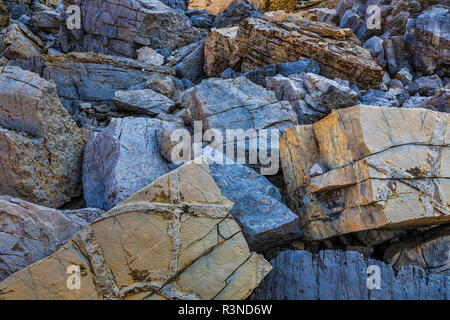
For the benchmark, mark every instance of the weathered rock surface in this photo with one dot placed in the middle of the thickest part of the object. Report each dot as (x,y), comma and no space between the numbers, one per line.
(235,13)
(341,275)
(4,15)
(117,28)
(122,159)
(188,61)
(150,56)
(18,42)
(384,171)
(174,239)
(428,39)
(425,86)
(143,102)
(29,232)
(429,251)
(337,50)
(219,45)
(40,146)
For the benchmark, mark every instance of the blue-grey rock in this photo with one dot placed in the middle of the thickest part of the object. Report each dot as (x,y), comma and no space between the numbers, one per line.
(188,61)
(425,86)
(235,13)
(143,102)
(200,18)
(265,221)
(259,75)
(344,275)
(20,10)
(379,98)
(297,67)
(416,102)
(176,4)
(351,20)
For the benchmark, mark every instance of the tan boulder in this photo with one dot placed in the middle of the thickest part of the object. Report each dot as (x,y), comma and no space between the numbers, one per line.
(219,45)
(174,239)
(19,42)
(216,6)
(386,170)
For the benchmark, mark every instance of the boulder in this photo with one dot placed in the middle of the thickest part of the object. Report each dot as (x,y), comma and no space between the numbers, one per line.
(46,18)
(143,102)
(297,67)
(345,275)
(428,39)
(383,171)
(235,13)
(30,232)
(440,101)
(149,56)
(337,51)
(122,159)
(379,98)
(200,18)
(4,15)
(41,146)
(18,42)
(425,86)
(182,219)
(219,45)
(429,251)
(188,61)
(117,28)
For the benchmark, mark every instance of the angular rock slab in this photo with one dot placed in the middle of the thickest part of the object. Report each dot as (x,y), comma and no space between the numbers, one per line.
(144,102)
(337,50)
(122,159)
(219,45)
(29,232)
(343,275)
(40,145)
(429,251)
(174,239)
(387,169)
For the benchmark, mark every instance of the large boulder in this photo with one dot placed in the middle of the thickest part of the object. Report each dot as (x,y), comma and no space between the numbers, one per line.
(219,45)
(122,159)
(18,42)
(381,171)
(174,239)
(345,275)
(337,51)
(29,232)
(40,145)
(118,28)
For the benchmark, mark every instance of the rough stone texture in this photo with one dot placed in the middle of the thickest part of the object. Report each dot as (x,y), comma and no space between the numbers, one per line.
(29,232)
(118,27)
(336,50)
(188,61)
(379,98)
(395,54)
(46,18)
(340,275)
(121,160)
(235,13)
(40,146)
(91,77)
(440,101)
(425,86)
(384,171)
(428,39)
(18,42)
(214,6)
(217,6)
(182,219)
(219,45)
(265,221)
(429,251)
(143,102)
(150,56)
(4,15)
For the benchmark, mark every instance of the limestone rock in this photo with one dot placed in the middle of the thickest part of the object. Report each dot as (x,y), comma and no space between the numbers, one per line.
(336,50)
(18,42)
(214,6)
(428,39)
(41,147)
(46,18)
(29,232)
(150,56)
(235,13)
(143,102)
(425,86)
(188,61)
(341,275)
(115,28)
(122,159)
(383,171)
(182,219)
(429,251)
(219,45)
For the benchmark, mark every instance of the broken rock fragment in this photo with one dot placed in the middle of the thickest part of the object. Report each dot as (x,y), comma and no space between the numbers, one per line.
(143,102)
(174,239)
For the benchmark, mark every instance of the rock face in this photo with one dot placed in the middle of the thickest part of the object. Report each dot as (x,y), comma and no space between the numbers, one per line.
(29,232)
(90,77)
(122,159)
(217,6)
(117,28)
(41,146)
(219,45)
(143,102)
(235,13)
(340,275)
(183,219)
(383,172)
(430,251)
(428,39)
(337,50)
(19,43)
(4,15)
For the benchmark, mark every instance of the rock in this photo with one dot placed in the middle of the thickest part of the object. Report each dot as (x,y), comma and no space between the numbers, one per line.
(4,15)
(265,221)
(29,232)
(396,54)
(336,50)
(219,45)
(182,219)
(316,170)
(188,61)
(259,75)
(351,20)
(275,16)
(404,76)
(341,275)
(375,46)
(214,7)
(41,147)
(379,98)
(429,251)
(416,102)
(150,56)
(425,86)
(19,42)
(440,101)
(200,18)
(143,102)
(383,171)
(274,5)
(175,4)
(20,10)
(46,19)
(297,67)
(116,28)
(235,13)
(122,159)
(90,77)
(428,39)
